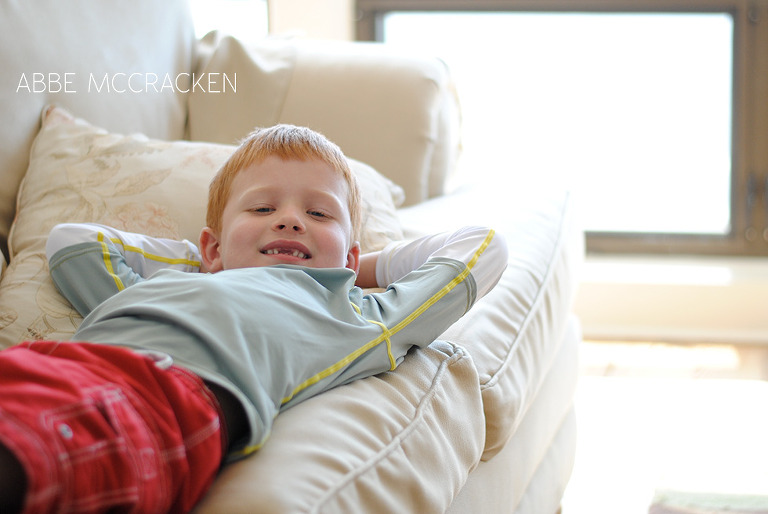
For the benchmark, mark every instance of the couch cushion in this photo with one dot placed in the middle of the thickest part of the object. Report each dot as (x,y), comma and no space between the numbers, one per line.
(513,333)
(60,52)
(530,473)
(391,109)
(79,172)
(401,441)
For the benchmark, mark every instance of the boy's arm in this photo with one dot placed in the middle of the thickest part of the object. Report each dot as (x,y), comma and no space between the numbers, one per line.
(90,262)
(480,249)
(430,283)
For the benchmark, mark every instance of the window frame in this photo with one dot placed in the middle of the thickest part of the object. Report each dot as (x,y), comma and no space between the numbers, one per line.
(749,132)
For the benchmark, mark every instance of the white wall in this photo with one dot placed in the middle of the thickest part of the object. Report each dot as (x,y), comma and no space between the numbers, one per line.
(314,19)
(686,299)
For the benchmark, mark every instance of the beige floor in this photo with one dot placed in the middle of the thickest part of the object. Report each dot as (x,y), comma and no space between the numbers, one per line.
(683,417)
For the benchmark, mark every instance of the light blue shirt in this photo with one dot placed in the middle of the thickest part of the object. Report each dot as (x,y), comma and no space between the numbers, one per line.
(272,336)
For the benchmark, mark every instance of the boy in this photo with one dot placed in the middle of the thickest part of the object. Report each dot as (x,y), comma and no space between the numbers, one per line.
(190,369)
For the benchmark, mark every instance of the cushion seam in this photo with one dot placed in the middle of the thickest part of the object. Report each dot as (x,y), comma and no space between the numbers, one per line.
(556,256)
(398,439)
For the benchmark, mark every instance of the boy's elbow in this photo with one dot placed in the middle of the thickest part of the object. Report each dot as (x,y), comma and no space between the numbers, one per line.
(496,250)
(501,249)
(494,261)
(67,234)
(57,239)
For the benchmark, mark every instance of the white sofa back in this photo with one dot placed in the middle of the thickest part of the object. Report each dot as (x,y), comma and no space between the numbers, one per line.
(130,67)
(53,52)
(393,110)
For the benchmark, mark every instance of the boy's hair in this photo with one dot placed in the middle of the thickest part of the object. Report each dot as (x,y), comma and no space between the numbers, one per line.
(286,142)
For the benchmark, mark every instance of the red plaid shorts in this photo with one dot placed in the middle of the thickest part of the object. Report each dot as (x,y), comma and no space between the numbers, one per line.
(99,427)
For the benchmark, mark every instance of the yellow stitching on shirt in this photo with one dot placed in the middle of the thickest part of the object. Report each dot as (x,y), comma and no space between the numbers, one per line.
(247,450)
(153,257)
(448,287)
(388,333)
(330,370)
(252,448)
(108,262)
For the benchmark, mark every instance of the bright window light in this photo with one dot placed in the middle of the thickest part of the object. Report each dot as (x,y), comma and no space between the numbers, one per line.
(631,111)
(246,20)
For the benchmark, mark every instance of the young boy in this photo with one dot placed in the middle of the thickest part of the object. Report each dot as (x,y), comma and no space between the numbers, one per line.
(172,375)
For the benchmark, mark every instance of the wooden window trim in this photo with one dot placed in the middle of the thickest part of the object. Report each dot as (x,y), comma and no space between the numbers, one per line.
(749,187)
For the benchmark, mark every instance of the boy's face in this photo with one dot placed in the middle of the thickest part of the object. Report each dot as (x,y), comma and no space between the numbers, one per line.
(283,212)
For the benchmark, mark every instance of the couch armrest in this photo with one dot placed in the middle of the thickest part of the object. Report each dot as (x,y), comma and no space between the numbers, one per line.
(393,111)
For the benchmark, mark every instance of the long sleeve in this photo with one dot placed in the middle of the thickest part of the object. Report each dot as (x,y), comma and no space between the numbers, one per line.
(430,283)
(277,335)
(89,263)
(480,249)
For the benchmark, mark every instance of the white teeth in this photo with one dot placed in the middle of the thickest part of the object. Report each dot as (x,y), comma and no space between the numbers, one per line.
(295,253)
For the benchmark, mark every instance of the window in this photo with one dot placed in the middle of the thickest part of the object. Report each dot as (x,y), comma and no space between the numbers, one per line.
(646,115)
(243,19)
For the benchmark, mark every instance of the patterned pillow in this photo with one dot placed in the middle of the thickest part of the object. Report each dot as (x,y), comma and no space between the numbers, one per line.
(78,173)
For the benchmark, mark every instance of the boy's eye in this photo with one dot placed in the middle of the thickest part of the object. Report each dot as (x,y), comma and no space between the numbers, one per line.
(262,210)
(317,214)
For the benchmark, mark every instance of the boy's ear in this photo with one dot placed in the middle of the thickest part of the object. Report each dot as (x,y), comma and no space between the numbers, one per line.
(210,250)
(353,257)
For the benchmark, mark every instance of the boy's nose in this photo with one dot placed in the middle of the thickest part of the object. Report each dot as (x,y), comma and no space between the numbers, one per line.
(296,228)
(289,221)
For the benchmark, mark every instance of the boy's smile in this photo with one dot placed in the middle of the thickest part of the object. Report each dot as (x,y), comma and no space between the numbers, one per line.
(284,212)
(288,250)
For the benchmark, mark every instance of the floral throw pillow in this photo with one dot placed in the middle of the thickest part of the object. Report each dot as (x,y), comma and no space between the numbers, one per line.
(81,173)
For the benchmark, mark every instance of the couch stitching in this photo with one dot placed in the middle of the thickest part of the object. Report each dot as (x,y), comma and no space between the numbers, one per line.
(397,440)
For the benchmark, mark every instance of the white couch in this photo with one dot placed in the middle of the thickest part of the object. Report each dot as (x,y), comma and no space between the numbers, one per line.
(481,421)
